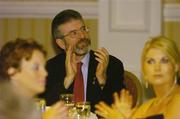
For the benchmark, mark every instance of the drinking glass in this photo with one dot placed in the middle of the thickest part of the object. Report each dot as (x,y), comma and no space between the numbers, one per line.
(68,100)
(41,104)
(83,110)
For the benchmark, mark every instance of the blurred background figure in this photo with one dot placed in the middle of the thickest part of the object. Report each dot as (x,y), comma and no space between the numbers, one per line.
(160,68)
(23,63)
(12,106)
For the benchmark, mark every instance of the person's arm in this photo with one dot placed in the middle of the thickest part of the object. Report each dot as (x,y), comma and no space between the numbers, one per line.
(114,81)
(71,68)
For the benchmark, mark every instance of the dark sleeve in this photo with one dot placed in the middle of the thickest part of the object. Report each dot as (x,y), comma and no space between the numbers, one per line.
(115,77)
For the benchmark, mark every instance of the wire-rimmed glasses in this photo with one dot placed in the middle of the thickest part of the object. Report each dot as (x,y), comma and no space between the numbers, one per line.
(76,33)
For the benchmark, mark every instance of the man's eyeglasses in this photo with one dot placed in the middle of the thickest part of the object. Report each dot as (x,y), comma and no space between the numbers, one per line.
(75,33)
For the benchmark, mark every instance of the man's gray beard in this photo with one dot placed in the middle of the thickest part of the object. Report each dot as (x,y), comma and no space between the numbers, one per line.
(80,52)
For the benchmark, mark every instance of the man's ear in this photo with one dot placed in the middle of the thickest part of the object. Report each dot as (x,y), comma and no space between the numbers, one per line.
(11,71)
(61,43)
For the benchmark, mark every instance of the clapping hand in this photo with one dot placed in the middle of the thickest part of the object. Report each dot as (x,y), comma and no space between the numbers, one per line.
(71,67)
(120,109)
(102,56)
(57,111)
(123,103)
(107,112)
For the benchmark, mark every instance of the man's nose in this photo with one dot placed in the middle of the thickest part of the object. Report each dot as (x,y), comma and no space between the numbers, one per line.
(81,34)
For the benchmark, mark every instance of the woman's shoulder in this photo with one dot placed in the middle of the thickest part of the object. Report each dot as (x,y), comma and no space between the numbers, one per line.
(145,106)
(176,96)
(142,109)
(172,111)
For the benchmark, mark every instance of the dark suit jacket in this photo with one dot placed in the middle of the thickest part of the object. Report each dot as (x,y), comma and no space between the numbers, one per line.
(94,94)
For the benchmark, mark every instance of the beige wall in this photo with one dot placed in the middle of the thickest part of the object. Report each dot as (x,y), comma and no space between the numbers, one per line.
(51,0)
(172,1)
(171,28)
(38,29)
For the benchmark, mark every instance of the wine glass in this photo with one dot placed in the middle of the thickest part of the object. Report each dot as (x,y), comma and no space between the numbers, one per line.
(68,100)
(83,110)
(41,104)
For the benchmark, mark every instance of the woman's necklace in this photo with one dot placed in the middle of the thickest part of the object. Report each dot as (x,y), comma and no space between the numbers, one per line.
(166,95)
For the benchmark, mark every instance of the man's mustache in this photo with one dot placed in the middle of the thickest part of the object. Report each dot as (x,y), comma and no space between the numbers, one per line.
(84,40)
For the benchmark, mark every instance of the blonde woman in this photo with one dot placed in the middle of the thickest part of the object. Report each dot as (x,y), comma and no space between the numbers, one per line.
(160,68)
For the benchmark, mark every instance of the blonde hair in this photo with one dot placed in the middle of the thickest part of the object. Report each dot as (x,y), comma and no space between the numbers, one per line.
(166,45)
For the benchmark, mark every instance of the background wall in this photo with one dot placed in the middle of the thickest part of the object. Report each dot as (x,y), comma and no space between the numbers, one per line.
(127,26)
(171,30)
(53,0)
(172,1)
(171,24)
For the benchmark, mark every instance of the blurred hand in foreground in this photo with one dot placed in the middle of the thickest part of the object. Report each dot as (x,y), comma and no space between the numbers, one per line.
(57,111)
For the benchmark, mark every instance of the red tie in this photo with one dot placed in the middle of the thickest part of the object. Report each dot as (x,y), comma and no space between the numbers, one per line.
(79,85)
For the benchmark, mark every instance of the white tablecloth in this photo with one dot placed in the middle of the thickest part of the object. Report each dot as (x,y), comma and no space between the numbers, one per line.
(93,116)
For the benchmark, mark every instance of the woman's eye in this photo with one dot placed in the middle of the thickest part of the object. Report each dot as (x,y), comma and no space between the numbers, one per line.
(164,60)
(150,61)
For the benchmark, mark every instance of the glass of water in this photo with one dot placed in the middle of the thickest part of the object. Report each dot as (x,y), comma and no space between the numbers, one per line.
(83,110)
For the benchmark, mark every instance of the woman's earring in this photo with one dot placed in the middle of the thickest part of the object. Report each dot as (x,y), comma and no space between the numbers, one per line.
(146,84)
(175,80)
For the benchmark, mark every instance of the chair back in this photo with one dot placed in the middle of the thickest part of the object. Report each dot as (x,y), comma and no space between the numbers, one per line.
(134,86)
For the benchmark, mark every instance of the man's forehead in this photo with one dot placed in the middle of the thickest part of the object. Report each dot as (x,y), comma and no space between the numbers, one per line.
(73,24)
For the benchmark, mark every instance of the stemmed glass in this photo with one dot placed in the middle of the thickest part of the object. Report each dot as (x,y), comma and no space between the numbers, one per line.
(83,110)
(41,104)
(68,100)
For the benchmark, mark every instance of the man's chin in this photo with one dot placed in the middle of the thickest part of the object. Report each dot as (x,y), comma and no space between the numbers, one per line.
(81,52)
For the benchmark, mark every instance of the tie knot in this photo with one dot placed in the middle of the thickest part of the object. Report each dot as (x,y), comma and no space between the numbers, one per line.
(79,64)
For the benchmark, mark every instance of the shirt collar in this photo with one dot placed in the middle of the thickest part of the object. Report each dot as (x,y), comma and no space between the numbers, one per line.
(85,60)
